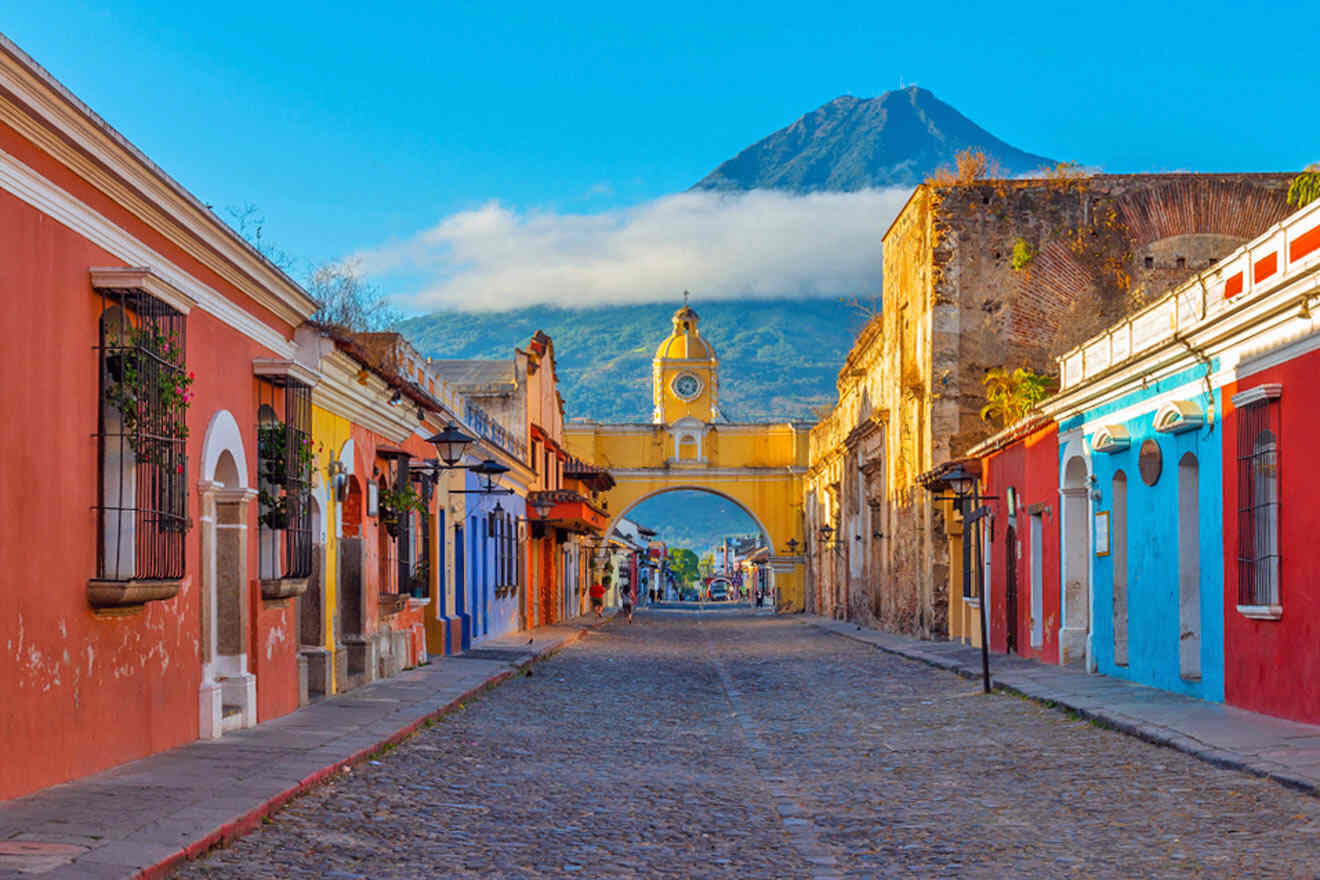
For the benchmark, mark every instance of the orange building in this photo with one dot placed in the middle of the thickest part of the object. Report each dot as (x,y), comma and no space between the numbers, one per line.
(143,336)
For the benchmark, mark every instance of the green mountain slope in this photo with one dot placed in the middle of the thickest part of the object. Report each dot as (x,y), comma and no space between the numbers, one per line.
(778,358)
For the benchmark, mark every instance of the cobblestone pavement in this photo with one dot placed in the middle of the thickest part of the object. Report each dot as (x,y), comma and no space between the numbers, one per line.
(738,745)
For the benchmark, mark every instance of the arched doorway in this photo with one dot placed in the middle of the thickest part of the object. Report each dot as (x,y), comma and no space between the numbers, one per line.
(314,658)
(355,662)
(228,697)
(1189,569)
(1074,640)
(1010,591)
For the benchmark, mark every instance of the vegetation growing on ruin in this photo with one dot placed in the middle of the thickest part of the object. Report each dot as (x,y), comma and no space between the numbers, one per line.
(1023,254)
(1305,187)
(1010,396)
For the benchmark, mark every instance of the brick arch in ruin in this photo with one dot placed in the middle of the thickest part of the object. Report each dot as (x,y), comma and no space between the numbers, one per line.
(1170,232)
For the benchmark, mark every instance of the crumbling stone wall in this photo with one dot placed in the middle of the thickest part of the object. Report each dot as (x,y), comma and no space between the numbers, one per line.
(954,306)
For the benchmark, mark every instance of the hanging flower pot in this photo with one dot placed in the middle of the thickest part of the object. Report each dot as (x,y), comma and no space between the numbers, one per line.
(391,526)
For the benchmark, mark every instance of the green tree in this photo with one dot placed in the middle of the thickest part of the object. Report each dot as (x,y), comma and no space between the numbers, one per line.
(1010,396)
(683,563)
(1305,187)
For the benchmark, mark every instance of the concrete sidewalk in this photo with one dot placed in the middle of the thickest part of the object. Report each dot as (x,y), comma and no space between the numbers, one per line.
(141,819)
(1285,751)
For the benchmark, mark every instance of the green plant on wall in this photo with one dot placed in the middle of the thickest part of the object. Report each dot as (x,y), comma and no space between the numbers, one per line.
(273,440)
(149,388)
(1023,254)
(1305,187)
(1010,396)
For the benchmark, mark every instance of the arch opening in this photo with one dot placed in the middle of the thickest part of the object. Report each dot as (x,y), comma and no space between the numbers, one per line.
(711,539)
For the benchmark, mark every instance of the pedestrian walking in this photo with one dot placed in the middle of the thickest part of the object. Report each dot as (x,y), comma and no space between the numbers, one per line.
(627,603)
(597,593)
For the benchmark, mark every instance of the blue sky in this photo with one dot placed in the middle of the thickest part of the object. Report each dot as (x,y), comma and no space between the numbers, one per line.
(358,127)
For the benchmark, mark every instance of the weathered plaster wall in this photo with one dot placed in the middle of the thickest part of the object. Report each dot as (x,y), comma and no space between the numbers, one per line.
(954,307)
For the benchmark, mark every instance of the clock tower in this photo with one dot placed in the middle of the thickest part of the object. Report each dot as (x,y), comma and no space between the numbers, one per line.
(685,374)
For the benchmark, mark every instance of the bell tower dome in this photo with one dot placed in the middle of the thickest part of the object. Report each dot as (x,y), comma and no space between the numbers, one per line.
(685,373)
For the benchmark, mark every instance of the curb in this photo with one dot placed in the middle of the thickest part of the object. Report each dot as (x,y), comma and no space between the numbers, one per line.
(1157,736)
(252,819)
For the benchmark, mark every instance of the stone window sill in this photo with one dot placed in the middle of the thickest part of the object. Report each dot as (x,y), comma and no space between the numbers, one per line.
(1261,612)
(130,593)
(283,588)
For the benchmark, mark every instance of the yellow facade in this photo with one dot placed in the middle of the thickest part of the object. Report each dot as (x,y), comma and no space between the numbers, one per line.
(330,433)
(685,374)
(689,446)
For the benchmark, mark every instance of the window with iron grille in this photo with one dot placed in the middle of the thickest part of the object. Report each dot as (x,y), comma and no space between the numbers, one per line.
(284,477)
(142,429)
(1258,497)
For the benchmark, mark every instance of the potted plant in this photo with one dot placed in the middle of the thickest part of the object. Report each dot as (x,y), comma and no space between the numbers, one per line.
(420,582)
(152,403)
(394,503)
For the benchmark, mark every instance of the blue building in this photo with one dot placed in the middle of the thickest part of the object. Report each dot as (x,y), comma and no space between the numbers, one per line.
(1140,486)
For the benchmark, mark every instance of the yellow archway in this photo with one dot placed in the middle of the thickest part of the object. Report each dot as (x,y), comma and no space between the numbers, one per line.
(689,445)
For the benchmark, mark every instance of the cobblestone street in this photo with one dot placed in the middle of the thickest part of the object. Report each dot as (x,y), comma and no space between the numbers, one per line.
(728,744)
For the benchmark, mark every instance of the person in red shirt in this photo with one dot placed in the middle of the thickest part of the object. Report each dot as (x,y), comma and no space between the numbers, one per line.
(597,594)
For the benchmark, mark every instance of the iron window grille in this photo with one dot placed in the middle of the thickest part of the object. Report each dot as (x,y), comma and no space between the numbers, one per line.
(142,432)
(1258,503)
(285,458)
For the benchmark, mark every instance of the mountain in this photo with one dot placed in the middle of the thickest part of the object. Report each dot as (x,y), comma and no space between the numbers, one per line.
(896,139)
(778,358)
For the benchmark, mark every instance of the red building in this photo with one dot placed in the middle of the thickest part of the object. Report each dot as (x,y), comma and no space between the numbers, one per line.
(1272,591)
(136,328)
(1019,469)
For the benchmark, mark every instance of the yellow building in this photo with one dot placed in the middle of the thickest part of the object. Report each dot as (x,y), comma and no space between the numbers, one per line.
(689,445)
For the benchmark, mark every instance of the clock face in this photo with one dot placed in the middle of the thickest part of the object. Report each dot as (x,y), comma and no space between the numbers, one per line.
(687,386)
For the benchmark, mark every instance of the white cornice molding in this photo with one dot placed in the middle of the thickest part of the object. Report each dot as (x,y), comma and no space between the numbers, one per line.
(1260,393)
(340,393)
(285,369)
(47,114)
(126,278)
(1226,334)
(30,187)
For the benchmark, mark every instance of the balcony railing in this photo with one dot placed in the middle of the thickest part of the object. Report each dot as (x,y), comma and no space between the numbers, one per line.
(485,426)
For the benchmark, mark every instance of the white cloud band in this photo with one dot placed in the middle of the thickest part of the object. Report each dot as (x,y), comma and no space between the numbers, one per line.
(719,245)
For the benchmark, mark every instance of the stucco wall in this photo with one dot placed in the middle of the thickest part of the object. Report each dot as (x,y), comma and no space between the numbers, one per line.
(1269,661)
(1153,543)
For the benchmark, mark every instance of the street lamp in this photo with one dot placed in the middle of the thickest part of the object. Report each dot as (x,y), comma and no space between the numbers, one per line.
(826,533)
(450,444)
(963,483)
